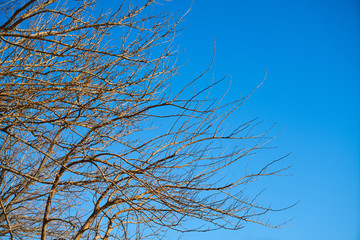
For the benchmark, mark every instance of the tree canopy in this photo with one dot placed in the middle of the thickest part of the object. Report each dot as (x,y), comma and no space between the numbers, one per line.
(94,143)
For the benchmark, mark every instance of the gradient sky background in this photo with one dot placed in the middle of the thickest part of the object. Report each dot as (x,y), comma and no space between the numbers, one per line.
(311,52)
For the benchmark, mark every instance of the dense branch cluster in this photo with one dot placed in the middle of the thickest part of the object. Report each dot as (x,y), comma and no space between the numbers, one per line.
(81,94)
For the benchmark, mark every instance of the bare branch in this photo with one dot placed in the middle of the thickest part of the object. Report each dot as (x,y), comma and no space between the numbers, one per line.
(93,142)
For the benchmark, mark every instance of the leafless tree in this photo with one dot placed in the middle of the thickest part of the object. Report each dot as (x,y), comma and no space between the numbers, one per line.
(94,144)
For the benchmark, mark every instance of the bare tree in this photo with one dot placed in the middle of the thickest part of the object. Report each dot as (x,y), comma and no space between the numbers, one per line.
(95,145)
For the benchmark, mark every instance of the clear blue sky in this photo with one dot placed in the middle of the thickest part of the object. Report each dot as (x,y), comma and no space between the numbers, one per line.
(311,52)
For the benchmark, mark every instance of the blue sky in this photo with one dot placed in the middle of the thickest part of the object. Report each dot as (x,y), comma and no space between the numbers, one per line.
(311,53)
